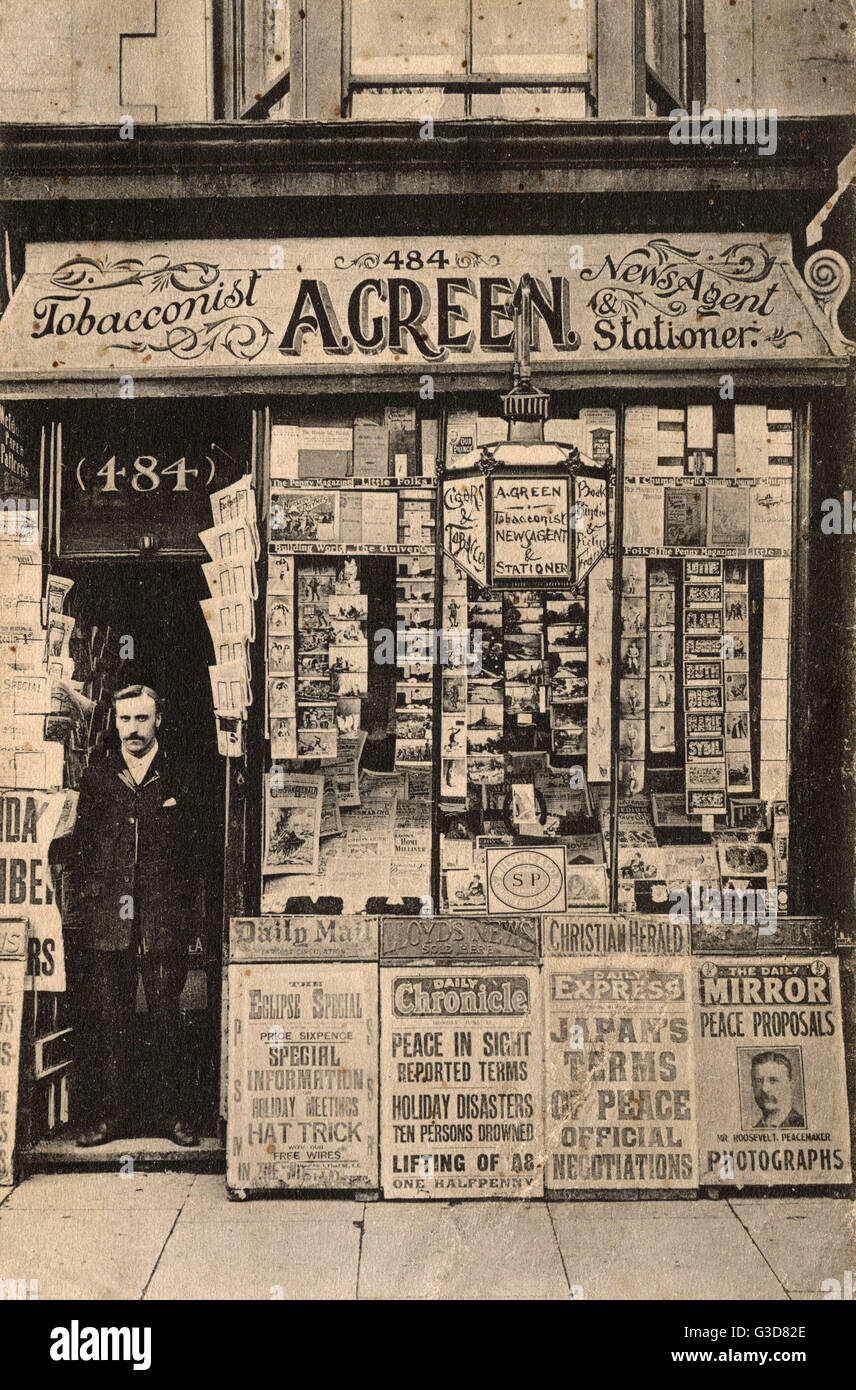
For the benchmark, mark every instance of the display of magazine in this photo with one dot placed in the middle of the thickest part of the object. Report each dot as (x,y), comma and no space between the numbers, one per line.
(292,823)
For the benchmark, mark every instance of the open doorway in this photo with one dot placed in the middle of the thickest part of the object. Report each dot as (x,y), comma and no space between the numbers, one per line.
(152,613)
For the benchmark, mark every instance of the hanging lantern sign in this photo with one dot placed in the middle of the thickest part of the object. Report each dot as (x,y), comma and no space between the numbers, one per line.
(532,512)
(545,528)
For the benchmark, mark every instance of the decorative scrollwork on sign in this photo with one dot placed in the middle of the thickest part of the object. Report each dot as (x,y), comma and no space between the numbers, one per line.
(676,280)
(465,260)
(243,337)
(368,260)
(746,261)
(778,338)
(86,273)
(827,275)
(614,299)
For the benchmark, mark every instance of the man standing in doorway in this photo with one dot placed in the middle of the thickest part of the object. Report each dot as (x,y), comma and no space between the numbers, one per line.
(130,887)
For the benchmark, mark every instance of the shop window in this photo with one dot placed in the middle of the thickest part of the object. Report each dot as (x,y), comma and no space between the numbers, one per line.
(675,54)
(351,638)
(665,55)
(426,726)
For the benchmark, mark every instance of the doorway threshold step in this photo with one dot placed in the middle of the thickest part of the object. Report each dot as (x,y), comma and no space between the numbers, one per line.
(63,1155)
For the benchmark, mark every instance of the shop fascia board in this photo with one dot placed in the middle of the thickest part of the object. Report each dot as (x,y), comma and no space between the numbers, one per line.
(296,381)
(310,159)
(51,349)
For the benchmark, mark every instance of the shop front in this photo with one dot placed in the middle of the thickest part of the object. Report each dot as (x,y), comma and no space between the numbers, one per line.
(474,573)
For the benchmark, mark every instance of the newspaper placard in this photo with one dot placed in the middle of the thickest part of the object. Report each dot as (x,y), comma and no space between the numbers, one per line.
(279,938)
(13,946)
(461,1096)
(458,938)
(772,1096)
(303,1076)
(28,824)
(620,1096)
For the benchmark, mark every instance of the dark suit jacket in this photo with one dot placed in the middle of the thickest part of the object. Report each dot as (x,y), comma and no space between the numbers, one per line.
(141,842)
(793,1120)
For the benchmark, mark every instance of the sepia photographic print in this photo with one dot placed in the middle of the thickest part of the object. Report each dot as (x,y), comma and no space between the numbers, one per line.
(427,693)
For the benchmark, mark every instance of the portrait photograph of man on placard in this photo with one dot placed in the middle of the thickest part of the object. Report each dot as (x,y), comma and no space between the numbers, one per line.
(772,1092)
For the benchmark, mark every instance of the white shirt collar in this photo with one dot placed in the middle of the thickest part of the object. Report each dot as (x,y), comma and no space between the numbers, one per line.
(138,767)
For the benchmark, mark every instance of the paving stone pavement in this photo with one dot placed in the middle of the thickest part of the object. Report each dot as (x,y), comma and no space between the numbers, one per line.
(178,1236)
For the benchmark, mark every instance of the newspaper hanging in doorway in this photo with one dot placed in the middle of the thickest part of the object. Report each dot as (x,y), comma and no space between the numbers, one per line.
(233,545)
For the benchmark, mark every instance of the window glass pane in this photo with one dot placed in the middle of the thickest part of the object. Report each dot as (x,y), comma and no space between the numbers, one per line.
(530,103)
(550,37)
(407,103)
(524,726)
(410,37)
(664,41)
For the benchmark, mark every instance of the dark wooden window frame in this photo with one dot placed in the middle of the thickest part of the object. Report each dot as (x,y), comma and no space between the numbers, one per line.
(232,100)
(691,80)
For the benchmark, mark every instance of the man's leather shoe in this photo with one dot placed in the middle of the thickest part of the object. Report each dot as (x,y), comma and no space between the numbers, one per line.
(184,1135)
(98,1134)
